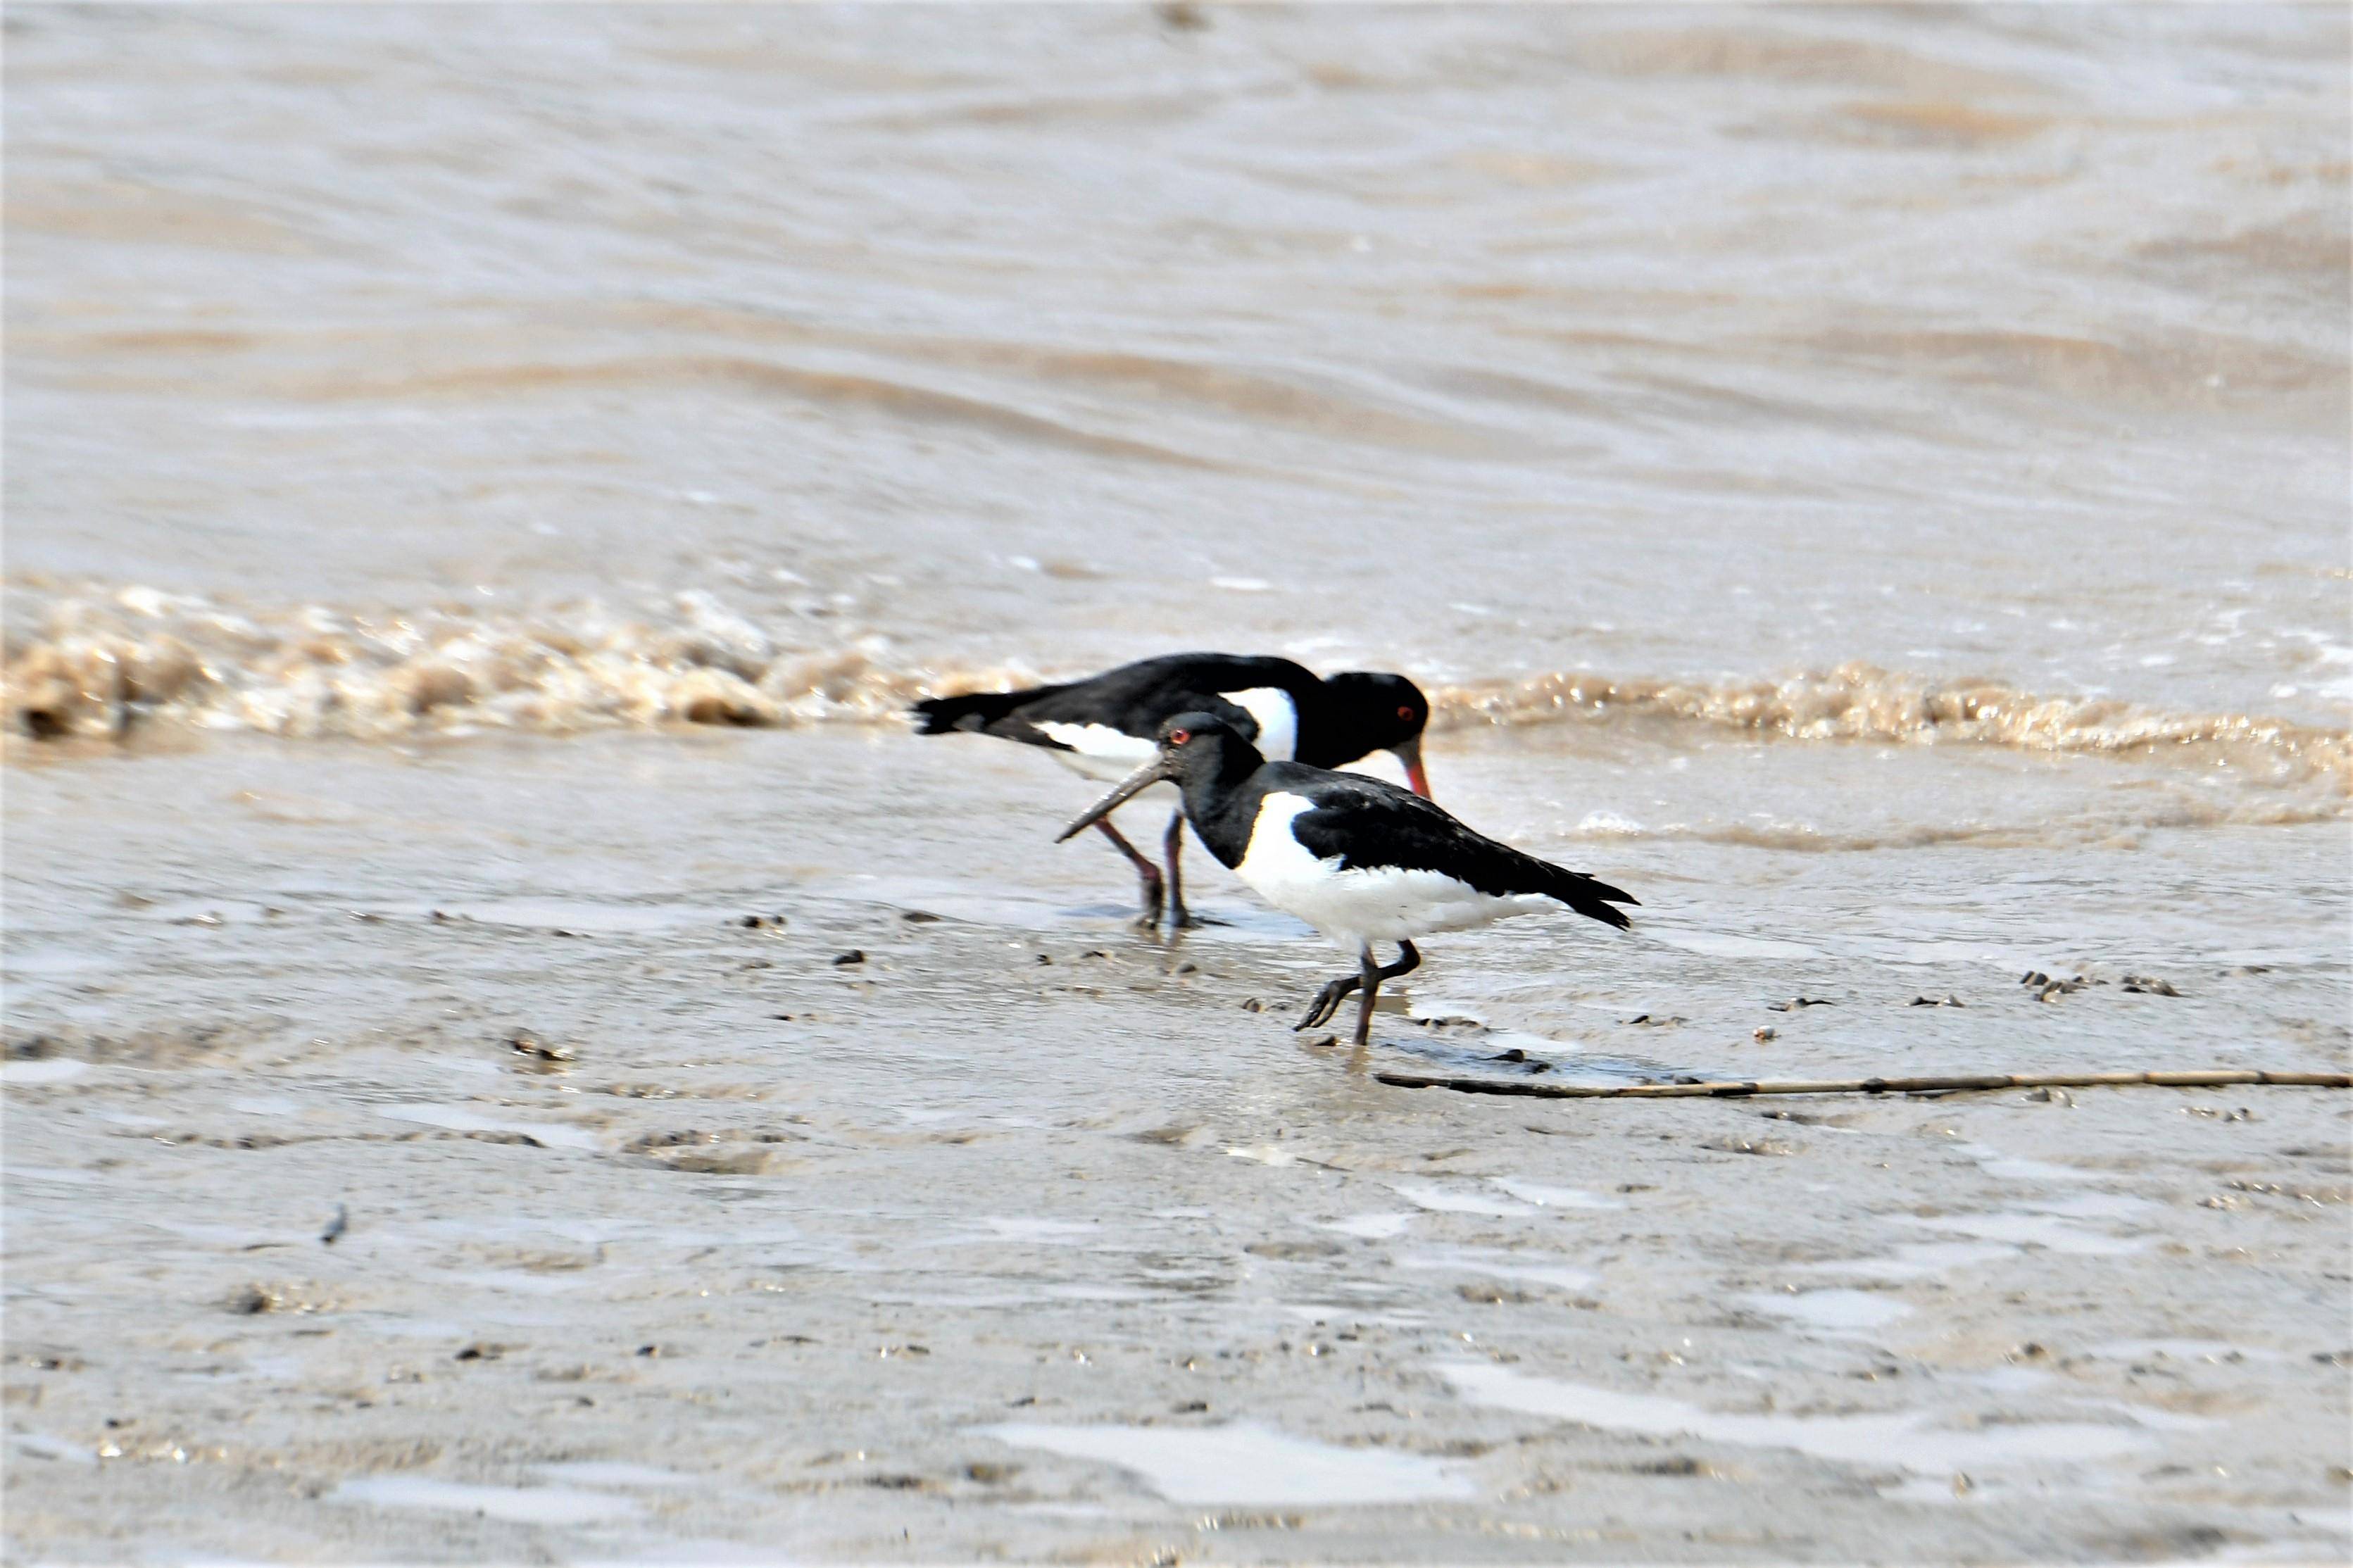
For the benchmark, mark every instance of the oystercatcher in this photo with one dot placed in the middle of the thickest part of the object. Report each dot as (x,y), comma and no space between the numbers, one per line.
(1360,860)
(1103,726)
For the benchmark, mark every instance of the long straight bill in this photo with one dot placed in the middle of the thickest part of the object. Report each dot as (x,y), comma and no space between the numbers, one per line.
(1410,754)
(1141,779)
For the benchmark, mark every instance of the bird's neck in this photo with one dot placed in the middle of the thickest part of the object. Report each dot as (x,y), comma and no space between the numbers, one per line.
(1223,808)
(1315,739)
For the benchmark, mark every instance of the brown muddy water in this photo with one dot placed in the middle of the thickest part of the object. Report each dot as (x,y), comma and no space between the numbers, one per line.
(480,481)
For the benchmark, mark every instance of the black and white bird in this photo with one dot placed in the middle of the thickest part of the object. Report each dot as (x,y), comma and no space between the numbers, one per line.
(1360,860)
(1102,727)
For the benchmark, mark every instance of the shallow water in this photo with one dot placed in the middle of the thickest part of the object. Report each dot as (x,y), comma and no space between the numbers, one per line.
(1981,373)
(479,482)
(1902,1439)
(1838,1312)
(522,1505)
(1245,1464)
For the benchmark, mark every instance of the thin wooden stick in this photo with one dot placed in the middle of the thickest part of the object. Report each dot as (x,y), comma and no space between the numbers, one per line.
(2210,1078)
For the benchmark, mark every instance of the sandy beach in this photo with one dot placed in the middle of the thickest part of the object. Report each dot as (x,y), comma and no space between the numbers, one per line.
(1021,1234)
(515,1052)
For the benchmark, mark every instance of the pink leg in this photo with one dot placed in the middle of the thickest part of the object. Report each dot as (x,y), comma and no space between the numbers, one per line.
(1145,869)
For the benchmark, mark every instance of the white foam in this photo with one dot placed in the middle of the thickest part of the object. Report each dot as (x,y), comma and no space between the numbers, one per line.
(1608,823)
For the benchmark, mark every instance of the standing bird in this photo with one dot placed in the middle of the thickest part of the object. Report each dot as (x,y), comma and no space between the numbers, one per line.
(1103,726)
(1360,860)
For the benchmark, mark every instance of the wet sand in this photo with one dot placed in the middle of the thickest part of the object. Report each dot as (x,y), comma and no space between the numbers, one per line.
(1869,480)
(1023,1234)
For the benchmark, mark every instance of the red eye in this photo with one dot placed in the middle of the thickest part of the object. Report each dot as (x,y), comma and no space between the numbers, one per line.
(1406,713)
(1178,737)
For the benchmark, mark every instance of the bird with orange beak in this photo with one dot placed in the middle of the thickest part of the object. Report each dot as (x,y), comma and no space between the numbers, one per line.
(1105,726)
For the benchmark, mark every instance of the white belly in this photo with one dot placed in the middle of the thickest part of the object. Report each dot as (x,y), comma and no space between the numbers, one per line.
(1367,904)
(1098,751)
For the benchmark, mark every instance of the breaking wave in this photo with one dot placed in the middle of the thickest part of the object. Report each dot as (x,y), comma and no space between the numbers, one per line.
(1864,703)
(104,664)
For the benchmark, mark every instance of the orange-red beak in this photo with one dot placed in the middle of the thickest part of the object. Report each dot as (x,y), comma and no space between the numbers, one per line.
(1410,754)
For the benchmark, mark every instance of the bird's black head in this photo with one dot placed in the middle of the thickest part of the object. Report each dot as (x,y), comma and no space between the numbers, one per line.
(1202,745)
(1197,751)
(1370,711)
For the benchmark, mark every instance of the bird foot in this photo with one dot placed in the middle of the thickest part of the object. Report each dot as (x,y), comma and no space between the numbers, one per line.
(1327,1002)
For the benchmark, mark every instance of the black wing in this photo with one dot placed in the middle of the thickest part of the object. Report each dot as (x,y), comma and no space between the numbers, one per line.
(1135,699)
(973,710)
(1366,822)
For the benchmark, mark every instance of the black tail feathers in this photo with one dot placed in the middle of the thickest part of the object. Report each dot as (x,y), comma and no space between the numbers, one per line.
(1591,897)
(972,710)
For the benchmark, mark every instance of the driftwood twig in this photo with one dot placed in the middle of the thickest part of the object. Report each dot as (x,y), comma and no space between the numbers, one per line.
(2208,1078)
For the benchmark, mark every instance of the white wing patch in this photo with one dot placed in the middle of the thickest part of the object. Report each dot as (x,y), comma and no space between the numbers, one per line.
(1277,716)
(1097,750)
(1367,903)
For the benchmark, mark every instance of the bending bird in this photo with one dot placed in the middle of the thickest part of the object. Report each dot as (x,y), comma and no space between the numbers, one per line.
(1103,726)
(1360,860)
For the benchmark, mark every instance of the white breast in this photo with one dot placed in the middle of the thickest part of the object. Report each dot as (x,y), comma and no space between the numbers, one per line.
(1367,904)
(1278,720)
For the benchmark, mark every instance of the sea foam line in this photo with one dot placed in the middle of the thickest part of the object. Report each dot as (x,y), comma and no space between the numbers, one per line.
(104,661)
